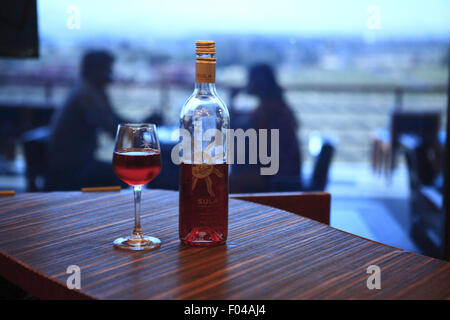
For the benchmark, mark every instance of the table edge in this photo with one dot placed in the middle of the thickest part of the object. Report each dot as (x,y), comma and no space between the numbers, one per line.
(32,280)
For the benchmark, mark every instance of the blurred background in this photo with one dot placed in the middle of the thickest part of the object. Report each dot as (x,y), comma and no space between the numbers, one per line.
(367,82)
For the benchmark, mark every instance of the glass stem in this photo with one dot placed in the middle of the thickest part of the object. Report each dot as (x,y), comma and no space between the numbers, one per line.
(137,232)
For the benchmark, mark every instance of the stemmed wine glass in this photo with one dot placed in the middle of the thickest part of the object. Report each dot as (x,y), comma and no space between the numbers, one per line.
(137,161)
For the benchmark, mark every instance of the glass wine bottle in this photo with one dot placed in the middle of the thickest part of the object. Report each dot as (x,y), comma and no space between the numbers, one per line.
(203,212)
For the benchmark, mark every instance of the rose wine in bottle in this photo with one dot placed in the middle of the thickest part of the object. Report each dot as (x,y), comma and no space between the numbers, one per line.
(203,219)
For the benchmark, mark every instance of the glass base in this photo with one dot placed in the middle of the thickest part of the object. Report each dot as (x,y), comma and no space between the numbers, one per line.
(136,243)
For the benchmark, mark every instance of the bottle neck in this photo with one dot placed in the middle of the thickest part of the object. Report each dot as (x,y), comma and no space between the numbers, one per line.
(205,88)
(205,72)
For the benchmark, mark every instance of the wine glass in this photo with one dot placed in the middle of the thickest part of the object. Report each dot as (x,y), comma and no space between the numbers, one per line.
(137,161)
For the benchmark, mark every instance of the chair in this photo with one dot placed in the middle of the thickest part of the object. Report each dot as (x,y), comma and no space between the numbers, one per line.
(9,132)
(425,167)
(386,142)
(312,205)
(35,149)
(168,178)
(319,178)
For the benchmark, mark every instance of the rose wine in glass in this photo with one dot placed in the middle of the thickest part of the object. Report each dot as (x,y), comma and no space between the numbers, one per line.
(137,161)
(137,166)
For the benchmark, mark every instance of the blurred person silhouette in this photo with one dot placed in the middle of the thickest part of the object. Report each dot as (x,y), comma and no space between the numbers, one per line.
(272,113)
(73,139)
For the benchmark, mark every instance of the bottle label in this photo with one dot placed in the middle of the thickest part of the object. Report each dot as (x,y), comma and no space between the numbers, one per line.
(204,196)
(206,70)
(203,172)
(204,186)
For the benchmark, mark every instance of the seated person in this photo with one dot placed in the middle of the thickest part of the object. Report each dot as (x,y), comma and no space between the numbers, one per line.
(271,113)
(73,139)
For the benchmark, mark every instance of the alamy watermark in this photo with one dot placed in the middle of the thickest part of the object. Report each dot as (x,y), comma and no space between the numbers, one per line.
(74,280)
(208,148)
(74,19)
(374,280)
(374,20)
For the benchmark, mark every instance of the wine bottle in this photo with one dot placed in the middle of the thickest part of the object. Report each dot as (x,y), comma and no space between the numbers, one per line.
(203,211)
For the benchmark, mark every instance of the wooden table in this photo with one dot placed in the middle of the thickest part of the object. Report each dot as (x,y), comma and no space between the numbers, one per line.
(270,254)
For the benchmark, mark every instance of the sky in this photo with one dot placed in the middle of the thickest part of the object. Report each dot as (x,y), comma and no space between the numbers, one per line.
(148,19)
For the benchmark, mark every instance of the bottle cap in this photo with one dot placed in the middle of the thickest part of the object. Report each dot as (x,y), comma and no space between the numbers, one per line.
(205,47)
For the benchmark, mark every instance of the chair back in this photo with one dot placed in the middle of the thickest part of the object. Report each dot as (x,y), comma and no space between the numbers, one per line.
(34,144)
(319,178)
(424,125)
(312,205)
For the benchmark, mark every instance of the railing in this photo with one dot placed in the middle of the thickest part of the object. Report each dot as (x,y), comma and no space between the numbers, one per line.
(349,119)
(397,90)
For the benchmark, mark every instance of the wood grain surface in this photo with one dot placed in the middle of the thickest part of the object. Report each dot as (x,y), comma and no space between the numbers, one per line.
(270,254)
